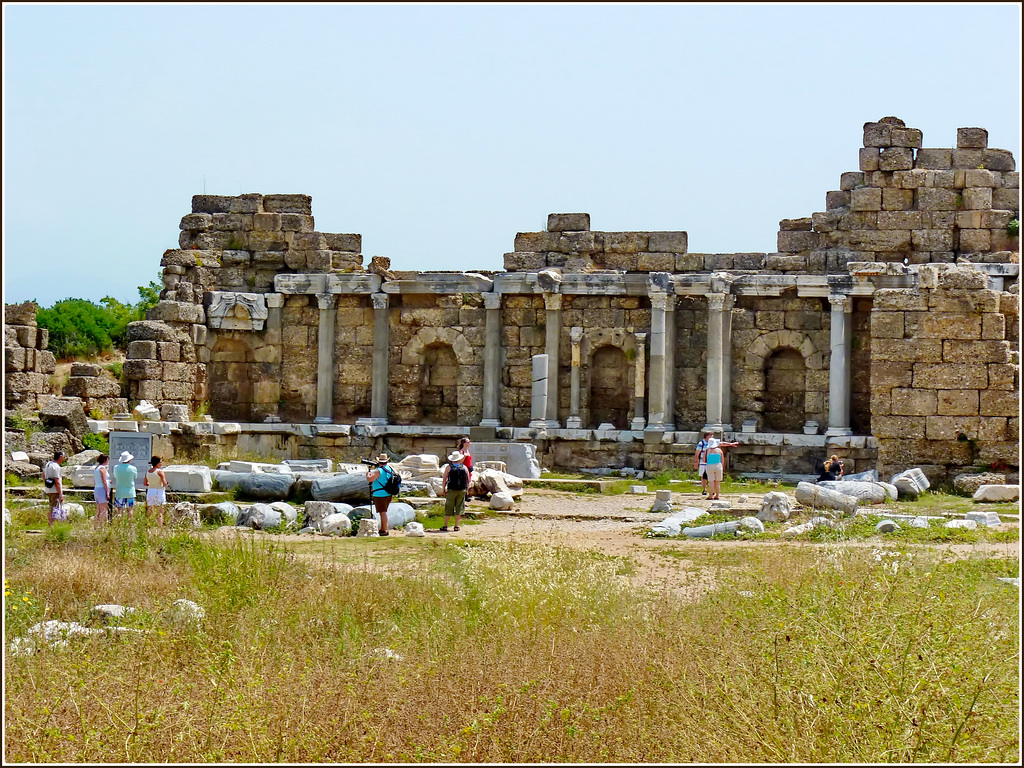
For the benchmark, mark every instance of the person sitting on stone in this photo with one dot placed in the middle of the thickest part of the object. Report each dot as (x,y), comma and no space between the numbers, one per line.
(833,469)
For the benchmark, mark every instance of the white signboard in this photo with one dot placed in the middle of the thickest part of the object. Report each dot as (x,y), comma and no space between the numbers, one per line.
(139,445)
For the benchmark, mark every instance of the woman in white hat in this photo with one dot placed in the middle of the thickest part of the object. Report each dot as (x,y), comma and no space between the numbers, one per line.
(124,484)
(381,498)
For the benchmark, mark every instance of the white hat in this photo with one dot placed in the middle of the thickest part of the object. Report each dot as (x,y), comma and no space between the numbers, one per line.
(455,457)
(125,457)
(383,459)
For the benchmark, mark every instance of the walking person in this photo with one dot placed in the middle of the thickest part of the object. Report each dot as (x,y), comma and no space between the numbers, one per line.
(715,471)
(101,489)
(54,487)
(378,478)
(124,484)
(454,484)
(156,489)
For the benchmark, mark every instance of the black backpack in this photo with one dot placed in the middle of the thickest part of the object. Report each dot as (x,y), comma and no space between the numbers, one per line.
(458,478)
(394,482)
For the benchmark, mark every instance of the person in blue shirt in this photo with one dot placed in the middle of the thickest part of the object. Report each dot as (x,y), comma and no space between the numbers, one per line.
(124,484)
(381,498)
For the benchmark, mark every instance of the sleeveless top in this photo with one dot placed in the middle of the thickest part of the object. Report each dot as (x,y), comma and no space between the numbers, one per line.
(714,458)
(377,486)
(154,480)
(98,484)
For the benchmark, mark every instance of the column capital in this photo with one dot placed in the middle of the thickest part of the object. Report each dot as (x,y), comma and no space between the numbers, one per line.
(274,300)
(840,301)
(552,301)
(576,334)
(380,300)
(716,301)
(326,300)
(492,300)
(659,300)
(641,337)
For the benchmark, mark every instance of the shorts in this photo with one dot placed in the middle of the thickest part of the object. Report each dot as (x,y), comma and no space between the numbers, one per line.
(99,495)
(124,503)
(715,472)
(702,471)
(454,503)
(156,497)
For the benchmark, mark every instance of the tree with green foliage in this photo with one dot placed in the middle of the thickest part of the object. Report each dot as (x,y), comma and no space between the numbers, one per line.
(82,328)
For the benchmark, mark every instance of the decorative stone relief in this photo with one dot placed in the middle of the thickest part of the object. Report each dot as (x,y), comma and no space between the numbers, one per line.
(231,311)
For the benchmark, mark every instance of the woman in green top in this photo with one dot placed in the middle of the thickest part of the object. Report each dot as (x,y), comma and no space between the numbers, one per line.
(124,484)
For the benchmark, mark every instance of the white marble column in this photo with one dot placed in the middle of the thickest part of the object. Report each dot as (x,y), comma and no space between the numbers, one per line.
(492,360)
(839,366)
(730,300)
(670,363)
(574,421)
(657,404)
(637,424)
(552,329)
(381,362)
(325,358)
(539,391)
(713,412)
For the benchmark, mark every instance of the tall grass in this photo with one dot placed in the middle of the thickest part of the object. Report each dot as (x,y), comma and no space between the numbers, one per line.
(513,653)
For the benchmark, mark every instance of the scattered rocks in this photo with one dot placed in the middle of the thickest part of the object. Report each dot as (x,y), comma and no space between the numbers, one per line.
(775,507)
(502,501)
(185,514)
(910,484)
(336,524)
(414,529)
(111,611)
(887,526)
(662,501)
(969,525)
(185,613)
(984,518)
(368,528)
(638,489)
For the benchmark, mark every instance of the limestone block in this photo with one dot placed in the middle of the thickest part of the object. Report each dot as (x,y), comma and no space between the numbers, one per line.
(14,359)
(564,222)
(957,402)
(91,387)
(942,325)
(45,362)
(26,335)
(905,137)
(288,204)
(897,199)
(913,402)
(1006,199)
(851,180)
(965,159)
(998,160)
(977,198)
(1011,180)
(984,518)
(888,240)
(62,413)
(996,402)
(971,138)
(812,495)
(895,159)
(339,524)
(878,134)
(912,179)
(667,242)
(937,199)
(866,199)
(795,241)
(932,240)
(901,219)
(20,314)
(961,351)
(934,159)
(969,483)
(656,262)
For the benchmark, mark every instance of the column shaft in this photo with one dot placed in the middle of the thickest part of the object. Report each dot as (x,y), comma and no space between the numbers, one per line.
(552,329)
(839,370)
(492,360)
(727,364)
(656,405)
(574,421)
(381,360)
(716,302)
(639,381)
(325,359)
(670,363)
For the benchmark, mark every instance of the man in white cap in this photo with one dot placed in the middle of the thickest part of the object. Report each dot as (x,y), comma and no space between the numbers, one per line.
(454,484)
(124,484)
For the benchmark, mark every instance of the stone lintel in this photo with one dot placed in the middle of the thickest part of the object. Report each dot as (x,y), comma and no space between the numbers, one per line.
(327,283)
(450,282)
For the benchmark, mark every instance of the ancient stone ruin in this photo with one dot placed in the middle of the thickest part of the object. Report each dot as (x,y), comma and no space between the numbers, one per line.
(883,328)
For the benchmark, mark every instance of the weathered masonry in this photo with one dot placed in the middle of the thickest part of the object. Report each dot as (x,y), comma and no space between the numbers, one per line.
(884,328)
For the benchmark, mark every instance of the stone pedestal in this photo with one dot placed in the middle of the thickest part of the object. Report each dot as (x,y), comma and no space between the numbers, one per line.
(839,367)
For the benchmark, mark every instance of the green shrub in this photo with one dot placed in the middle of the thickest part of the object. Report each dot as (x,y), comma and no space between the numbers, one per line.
(96,442)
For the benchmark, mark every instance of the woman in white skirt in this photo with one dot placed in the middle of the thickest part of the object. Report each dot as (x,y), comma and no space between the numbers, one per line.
(101,490)
(156,489)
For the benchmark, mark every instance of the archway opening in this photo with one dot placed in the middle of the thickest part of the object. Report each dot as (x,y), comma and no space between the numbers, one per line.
(231,389)
(609,387)
(439,385)
(784,387)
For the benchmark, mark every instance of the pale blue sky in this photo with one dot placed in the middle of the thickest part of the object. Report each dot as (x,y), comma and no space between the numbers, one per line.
(439,131)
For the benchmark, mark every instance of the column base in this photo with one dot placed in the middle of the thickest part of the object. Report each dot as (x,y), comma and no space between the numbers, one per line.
(574,422)
(637,425)
(838,432)
(490,423)
(323,420)
(716,427)
(371,421)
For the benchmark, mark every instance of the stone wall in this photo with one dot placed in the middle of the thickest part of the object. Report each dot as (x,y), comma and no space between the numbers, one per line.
(27,362)
(100,395)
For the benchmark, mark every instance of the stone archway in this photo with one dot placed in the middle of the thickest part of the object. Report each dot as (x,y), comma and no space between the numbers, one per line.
(231,389)
(439,385)
(785,385)
(610,387)
(443,363)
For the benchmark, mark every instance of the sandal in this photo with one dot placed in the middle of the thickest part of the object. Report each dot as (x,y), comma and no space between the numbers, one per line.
(384,533)
(455,528)
(443,529)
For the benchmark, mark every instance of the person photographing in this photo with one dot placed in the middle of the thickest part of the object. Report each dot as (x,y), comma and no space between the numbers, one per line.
(381,480)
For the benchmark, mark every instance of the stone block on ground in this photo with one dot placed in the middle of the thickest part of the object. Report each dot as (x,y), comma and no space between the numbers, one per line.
(289,515)
(335,524)
(189,478)
(147,411)
(185,514)
(261,485)
(968,483)
(910,484)
(259,517)
(64,413)
(662,501)
(368,528)
(997,493)
(414,529)
(969,525)
(812,495)
(341,487)
(502,500)
(776,507)
(887,526)
(867,493)
(984,518)
(225,512)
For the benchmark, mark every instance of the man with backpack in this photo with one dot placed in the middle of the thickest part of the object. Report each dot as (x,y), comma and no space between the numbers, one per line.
(454,484)
(384,483)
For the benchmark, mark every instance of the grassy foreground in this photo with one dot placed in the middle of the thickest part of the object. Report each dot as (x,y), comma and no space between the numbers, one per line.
(507,653)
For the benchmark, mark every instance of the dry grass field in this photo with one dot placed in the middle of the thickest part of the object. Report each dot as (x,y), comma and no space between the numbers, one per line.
(529,638)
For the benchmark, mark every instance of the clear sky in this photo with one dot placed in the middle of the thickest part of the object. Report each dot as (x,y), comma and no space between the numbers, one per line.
(439,131)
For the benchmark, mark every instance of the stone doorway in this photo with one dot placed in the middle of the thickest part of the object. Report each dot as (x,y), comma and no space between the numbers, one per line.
(439,385)
(784,391)
(609,387)
(231,390)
